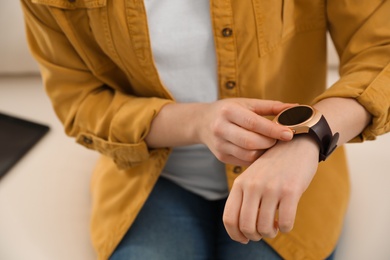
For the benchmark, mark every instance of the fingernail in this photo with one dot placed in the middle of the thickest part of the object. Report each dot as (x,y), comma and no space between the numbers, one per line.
(286,135)
(245,242)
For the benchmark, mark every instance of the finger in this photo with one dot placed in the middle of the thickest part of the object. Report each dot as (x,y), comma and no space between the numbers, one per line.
(268,107)
(266,217)
(287,212)
(231,216)
(247,139)
(249,213)
(227,152)
(258,124)
(229,159)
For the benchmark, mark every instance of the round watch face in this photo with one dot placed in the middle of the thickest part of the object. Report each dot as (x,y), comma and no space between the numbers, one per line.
(295,115)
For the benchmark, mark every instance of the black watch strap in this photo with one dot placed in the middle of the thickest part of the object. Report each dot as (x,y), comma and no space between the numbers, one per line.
(327,142)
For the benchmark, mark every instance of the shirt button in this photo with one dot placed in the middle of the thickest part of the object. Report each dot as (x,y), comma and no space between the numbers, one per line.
(227,32)
(237,169)
(230,84)
(87,140)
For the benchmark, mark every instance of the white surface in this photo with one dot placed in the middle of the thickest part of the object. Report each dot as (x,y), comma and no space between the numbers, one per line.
(45,201)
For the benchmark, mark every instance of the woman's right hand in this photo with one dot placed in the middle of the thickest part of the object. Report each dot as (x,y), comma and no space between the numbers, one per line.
(235,130)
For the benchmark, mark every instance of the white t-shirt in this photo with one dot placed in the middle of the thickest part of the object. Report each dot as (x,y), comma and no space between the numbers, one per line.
(184,54)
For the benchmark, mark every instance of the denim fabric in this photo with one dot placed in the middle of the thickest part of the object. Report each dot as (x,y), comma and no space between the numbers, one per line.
(176,224)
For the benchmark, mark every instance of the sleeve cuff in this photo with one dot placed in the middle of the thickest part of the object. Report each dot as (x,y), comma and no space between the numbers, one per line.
(375,98)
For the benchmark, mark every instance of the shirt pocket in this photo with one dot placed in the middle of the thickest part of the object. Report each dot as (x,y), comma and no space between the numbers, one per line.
(72,4)
(278,20)
(84,26)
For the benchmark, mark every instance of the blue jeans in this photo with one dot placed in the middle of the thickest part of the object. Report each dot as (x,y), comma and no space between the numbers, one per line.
(175,224)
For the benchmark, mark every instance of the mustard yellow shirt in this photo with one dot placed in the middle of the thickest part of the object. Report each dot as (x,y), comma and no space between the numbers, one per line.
(97,67)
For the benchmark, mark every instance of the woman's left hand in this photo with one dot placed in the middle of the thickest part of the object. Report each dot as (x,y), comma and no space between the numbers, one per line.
(273,183)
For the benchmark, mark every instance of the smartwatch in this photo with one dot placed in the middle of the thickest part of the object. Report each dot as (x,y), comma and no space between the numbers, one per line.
(303,119)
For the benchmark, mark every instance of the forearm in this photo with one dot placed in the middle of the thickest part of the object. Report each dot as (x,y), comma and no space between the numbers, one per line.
(235,130)
(345,116)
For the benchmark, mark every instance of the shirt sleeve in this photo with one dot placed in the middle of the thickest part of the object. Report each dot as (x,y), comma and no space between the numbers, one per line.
(100,114)
(360,31)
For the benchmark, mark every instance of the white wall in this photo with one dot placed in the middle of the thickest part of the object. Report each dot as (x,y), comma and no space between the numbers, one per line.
(14,53)
(333,59)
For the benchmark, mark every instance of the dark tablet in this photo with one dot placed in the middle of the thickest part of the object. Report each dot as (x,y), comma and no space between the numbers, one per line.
(17,137)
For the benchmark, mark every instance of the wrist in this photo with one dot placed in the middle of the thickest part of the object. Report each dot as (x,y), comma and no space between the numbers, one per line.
(197,127)
(301,146)
(176,124)
(306,145)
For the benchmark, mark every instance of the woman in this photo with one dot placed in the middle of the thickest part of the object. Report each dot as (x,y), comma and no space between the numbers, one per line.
(176,97)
